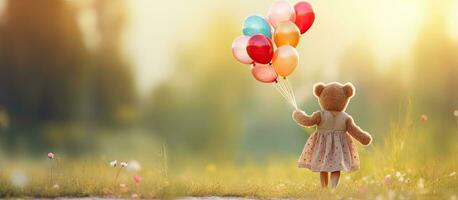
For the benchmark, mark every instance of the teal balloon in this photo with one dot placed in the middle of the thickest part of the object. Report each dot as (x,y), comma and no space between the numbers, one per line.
(256,25)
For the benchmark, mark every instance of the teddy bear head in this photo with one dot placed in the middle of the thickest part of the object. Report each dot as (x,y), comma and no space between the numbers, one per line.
(334,96)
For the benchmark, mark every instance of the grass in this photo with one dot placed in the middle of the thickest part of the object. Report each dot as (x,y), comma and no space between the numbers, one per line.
(415,169)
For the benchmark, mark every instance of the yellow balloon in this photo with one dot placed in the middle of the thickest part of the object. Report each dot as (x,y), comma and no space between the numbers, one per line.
(287,33)
(285,60)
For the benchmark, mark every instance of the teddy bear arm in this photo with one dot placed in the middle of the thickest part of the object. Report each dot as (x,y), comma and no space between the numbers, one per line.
(356,132)
(307,120)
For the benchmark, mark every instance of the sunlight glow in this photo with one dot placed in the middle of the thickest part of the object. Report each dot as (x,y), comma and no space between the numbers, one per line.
(394,28)
(88,26)
(453,22)
(3,4)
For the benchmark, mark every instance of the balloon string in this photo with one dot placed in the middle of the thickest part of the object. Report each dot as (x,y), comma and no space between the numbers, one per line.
(285,88)
(280,86)
(292,92)
(289,92)
(285,93)
(276,85)
(281,92)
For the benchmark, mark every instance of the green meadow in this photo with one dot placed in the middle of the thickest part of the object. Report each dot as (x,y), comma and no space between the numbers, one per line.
(154,84)
(403,166)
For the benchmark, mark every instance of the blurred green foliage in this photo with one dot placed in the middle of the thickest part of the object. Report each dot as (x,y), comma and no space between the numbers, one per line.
(49,80)
(57,93)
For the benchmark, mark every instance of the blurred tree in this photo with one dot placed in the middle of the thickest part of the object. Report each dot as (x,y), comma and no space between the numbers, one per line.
(49,80)
(436,66)
(111,94)
(374,96)
(198,109)
(358,66)
(42,61)
(4,119)
(42,67)
(435,77)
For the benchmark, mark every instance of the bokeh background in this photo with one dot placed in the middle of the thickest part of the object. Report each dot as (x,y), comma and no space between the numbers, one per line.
(121,78)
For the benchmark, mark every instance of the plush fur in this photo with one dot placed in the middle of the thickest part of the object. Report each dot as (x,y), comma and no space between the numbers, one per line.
(333,97)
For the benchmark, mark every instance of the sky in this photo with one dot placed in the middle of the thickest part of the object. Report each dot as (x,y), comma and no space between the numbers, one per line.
(155,30)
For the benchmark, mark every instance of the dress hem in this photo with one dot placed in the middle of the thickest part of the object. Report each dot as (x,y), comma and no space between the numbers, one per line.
(300,165)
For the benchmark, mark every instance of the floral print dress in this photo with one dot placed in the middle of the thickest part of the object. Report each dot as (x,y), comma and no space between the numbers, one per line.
(330,148)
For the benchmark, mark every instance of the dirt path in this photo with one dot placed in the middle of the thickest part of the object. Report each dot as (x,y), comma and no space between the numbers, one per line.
(181,198)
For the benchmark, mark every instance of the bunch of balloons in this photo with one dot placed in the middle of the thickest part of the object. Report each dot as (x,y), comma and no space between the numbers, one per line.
(269,44)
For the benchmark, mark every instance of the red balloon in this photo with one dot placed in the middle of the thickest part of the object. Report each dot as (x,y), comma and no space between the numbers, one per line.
(264,73)
(304,16)
(260,49)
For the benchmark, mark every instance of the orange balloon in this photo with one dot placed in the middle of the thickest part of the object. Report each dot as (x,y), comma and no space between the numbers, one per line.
(285,60)
(287,33)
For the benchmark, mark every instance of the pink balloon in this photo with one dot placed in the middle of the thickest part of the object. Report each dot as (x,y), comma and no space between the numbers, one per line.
(281,11)
(264,73)
(239,49)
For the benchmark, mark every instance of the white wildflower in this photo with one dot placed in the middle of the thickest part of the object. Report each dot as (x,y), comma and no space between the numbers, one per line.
(18,178)
(134,165)
(452,174)
(123,164)
(114,163)
(398,174)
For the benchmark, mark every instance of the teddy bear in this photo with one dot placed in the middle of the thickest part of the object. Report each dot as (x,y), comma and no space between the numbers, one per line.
(330,149)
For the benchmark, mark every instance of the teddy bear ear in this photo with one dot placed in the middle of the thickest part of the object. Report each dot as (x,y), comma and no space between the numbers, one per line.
(349,89)
(318,88)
